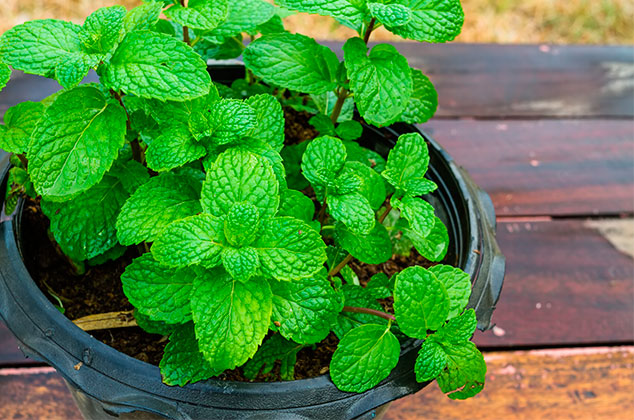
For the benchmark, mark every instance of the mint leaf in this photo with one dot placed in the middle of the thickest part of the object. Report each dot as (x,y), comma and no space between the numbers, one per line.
(76,142)
(131,173)
(420,302)
(182,361)
(305,308)
(323,160)
(143,17)
(296,204)
(5,75)
(239,176)
(372,185)
(270,120)
(354,211)
(458,330)
(241,263)
(156,204)
(228,121)
(194,240)
(364,357)
(431,361)
(152,327)
(380,286)
(323,124)
(465,372)
(230,318)
(292,158)
(38,46)
(325,103)
(349,12)
(112,254)
(229,49)
(199,14)
(72,70)
(407,164)
(289,249)
(19,122)
(153,65)
(423,103)
(358,297)
(101,29)
(431,21)
(390,14)
(458,285)
(368,157)
(381,82)
(265,150)
(241,224)
(174,147)
(273,349)
(293,61)
(84,227)
(349,130)
(419,214)
(244,16)
(373,248)
(434,246)
(157,291)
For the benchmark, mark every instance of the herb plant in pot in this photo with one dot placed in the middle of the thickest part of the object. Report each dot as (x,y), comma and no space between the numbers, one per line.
(276,216)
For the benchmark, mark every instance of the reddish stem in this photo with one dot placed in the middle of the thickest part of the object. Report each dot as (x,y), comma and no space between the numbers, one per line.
(369,311)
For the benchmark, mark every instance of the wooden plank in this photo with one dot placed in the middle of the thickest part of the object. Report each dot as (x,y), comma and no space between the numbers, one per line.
(567,282)
(592,383)
(35,393)
(553,168)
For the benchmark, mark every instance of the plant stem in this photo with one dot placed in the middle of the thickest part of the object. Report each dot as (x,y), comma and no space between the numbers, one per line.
(342,95)
(23,160)
(340,266)
(369,311)
(368,31)
(195,41)
(186,35)
(134,144)
(387,211)
(322,213)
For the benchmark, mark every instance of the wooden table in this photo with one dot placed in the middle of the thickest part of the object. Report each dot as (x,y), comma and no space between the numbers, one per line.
(548,131)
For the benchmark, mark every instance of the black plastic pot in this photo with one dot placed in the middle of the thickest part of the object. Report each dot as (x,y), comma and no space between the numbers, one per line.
(110,384)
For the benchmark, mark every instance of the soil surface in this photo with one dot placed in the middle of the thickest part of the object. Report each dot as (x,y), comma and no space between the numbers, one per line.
(99,289)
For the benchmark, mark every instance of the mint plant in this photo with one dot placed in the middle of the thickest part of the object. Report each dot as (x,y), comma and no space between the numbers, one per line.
(245,237)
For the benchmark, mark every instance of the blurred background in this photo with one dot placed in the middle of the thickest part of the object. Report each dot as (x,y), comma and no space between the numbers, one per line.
(496,21)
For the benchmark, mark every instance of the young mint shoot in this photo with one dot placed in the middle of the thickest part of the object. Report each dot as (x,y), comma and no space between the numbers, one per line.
(243,235)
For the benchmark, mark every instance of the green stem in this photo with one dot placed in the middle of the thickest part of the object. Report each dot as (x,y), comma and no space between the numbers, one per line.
(196,41)
(342,95)
(369,311)
(340,266)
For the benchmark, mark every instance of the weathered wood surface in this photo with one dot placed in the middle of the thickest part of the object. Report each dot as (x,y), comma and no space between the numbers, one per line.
(580,384)
(489,81)
(545,167)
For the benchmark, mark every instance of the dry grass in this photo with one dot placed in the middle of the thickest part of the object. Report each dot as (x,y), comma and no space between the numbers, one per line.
(498,21)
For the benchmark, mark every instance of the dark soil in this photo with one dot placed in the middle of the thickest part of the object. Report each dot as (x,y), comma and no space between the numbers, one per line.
(99,289)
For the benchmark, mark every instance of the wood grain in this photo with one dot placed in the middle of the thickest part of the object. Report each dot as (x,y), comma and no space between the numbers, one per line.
(581,384)
(565,284)
(553,168)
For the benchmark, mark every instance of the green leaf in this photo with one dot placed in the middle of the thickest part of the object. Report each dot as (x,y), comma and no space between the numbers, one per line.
(228,121)
(265,150)
(156,204)
(407,164)
(296,204)
(174,147)
(231,48)
(325,103)
(354,211)
(101,29)
(153,327)
(241,224)
(458,285)
(368,157)
(349,130)
(241,263)
(274,349)
(381,82)
(292,158)
(38,46)
(465,372)
(458,330)
(434,246)
(372,185)
(131,173)
(380,286)
(323,160)
(72,70)
(5,75)
(431,361)
(358,297)
(390,14)
(239,176)
(419,214)
(231,318)
(373,248)
(305,308)
(289,249)
(153,65)
(423,103)
(270,119)
(143,17)
(159,292)
(293,61)
(193,240)
(20,121)
(112,254)
(76,142)
(244,16)
(364,357)
(84,227)
(431,21)
(182,361)
(351,13)
(200,14)
(420,302)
